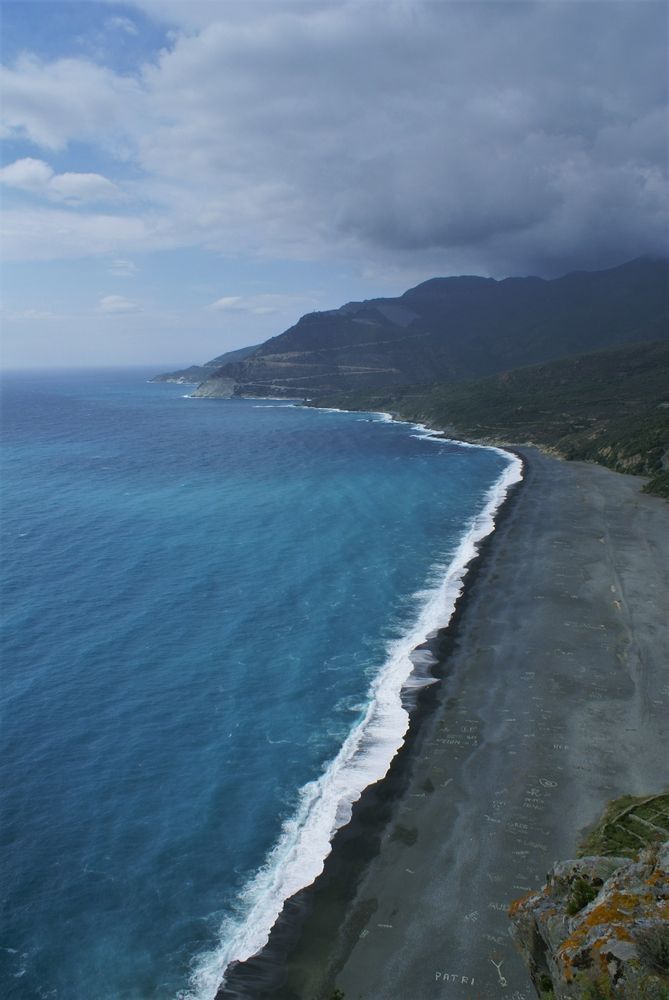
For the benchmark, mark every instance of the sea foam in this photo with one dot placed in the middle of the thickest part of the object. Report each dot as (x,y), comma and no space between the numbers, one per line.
(325,804)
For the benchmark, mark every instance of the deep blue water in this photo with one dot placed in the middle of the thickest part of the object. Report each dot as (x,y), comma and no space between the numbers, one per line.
(196,597)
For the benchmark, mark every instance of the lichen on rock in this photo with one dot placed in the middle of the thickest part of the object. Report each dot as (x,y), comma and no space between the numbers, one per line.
(599,928)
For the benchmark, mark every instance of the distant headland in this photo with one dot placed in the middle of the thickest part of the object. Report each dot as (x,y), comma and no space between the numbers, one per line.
(577,365)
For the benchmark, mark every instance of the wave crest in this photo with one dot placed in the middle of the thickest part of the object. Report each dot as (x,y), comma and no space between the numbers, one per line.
(326,803)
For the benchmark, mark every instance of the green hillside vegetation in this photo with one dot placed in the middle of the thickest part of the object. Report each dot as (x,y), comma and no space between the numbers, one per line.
(628,825)
(610,407)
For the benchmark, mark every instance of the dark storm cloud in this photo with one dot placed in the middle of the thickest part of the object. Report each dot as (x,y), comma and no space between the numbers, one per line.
(500,137)
(539,140)
(513,136)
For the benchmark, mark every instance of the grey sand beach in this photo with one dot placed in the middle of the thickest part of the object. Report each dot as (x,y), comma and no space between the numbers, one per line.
(555,699)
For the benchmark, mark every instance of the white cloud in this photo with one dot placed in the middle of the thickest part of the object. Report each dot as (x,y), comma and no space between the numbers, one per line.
(265,304)
(74,187)
(56,234)
(121,24)
(122,268)
(227,302)
(37,177)
(113,304)
(27,175)
(51,103)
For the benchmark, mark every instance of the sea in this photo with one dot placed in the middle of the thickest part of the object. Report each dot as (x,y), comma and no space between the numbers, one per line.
(208,613)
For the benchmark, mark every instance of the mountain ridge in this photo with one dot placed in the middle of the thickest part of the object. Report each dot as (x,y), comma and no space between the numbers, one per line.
(448,329)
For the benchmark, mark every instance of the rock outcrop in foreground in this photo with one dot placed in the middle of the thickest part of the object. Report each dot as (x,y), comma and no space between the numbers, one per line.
(599,929)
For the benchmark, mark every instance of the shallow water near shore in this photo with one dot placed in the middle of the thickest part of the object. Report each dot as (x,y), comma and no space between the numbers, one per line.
(209,606)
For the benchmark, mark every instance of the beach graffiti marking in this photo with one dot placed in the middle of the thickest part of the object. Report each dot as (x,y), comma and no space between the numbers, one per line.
(498,966)
(453,977)
(495,938)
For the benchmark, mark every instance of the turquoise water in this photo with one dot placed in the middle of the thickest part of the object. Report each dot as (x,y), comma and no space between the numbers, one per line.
(197,596)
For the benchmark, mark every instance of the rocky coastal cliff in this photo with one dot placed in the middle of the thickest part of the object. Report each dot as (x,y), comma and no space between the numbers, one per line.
(599,928)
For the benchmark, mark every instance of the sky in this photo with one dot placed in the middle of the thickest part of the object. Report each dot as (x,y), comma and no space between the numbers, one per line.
(180,178)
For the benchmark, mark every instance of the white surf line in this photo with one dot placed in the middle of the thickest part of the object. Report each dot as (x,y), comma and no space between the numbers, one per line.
(326,803)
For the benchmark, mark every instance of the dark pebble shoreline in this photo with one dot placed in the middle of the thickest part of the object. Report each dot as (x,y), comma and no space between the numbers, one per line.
(300,943)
